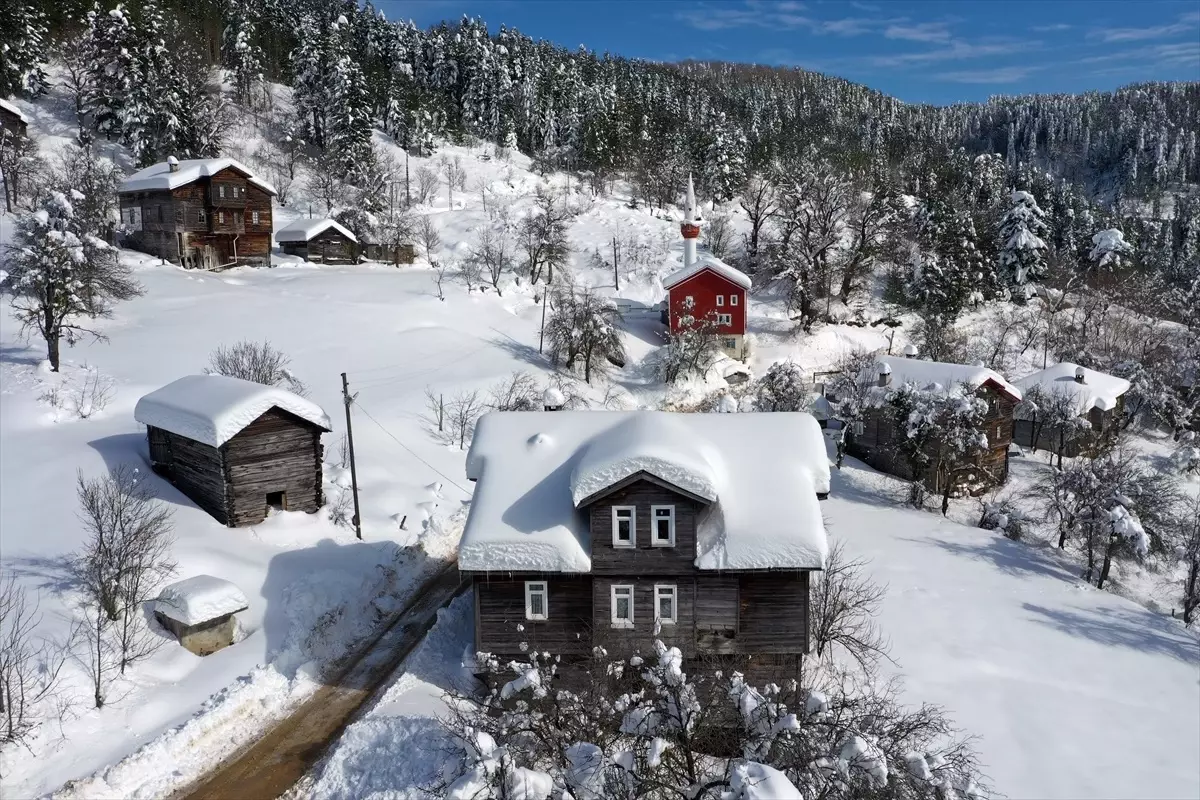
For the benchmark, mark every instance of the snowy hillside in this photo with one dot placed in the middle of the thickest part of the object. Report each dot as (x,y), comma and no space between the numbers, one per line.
(1074,692)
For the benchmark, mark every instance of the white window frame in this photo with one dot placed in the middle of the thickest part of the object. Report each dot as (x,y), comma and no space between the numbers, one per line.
(689,302)
(720,300)
(532,588)
(202,216)
(724,319)
(654,540)
(221,191)
(632,543)
(253,217)
(733,299)
(618,622)
(666,590)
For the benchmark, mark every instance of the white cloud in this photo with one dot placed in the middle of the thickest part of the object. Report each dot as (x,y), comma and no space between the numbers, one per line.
(919,32)
(956,50)
(997,75)
(1185,24)
(1055,28)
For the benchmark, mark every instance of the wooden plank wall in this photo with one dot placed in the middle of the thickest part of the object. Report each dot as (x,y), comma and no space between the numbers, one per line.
(500,608)
(716,613)
(645,559)
(640,638)
(278,452)
(196,470)
(773,612)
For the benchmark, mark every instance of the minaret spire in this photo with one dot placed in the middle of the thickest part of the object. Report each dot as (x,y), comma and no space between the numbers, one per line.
(690,227)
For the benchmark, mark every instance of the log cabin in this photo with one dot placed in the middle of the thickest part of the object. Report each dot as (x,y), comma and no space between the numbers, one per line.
(875,441)
(1097,398)
(619,528)
(324,241)
(201,213)
(12,120)
(238,449)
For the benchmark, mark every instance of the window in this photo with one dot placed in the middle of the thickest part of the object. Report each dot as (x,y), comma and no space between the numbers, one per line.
(720,300)
(724,319)
(537,604)
(733,299)
(663,534)
(203,217)
(624,518)
(253,217)
(237,218)
(730,342)
(221,190)
(622,606)
(220,217)
(666,603)
(689,301)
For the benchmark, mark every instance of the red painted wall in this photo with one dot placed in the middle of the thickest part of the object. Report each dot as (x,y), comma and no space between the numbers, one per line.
(703,288)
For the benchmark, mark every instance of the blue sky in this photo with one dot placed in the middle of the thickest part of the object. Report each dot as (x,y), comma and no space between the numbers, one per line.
(934,52)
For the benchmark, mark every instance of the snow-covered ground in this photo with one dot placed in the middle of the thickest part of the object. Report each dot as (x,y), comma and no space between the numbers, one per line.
(1075,692)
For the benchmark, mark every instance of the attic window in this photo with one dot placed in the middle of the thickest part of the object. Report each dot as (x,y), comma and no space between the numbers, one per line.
(537,600)
(622,606)
(623,522)
(663,533)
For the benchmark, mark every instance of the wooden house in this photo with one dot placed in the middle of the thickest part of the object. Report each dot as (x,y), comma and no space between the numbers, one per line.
(618,528)
(237,449)
(875,442)
(1097,398)
(324,241)
(201,213)
(12,121)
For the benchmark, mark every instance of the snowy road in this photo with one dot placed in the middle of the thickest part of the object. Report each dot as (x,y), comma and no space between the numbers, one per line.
(280,758)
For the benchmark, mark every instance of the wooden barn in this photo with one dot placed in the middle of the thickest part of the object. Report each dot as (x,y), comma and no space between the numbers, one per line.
(1098,399)
(236,448)
(324,241)
(875,443)
(619,528)
(206,213)
(12,121)
(400,254)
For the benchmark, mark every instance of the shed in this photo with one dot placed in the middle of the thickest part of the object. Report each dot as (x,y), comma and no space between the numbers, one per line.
(12,119)
(322,240)
(399,254)
(199,611)
(237,448)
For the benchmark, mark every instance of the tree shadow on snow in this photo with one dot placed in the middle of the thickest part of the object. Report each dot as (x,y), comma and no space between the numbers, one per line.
(1012,558)
(51,574)
(25,356)
(1119,627)
(519,350)
(646,325)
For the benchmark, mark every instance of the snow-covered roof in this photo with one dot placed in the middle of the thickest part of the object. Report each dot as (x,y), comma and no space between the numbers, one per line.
(212,409)
(10,108)
(534,470)
(304,229)
(160,176)
(707,262)
(1099,390)
(199,599)
(923,374)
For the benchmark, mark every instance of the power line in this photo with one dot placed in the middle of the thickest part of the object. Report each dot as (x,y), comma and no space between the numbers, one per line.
(410,450)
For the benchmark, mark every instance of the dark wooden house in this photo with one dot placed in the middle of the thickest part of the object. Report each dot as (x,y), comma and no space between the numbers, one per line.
(202,213)
(622,528)
(399,254)
(12,121)
(237,449)
(324,241)
(875,442)
(1096,398)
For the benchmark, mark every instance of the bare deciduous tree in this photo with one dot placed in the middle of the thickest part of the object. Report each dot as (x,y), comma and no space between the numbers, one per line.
(544,235)
(325,182)
(427,183)
(518,392)
(759,200)
(29,665)
(429,237)
(582,329)
(435,406)
(844,606)
(255,361)
(456,176)
(719,233)
(462,414)
(439,277)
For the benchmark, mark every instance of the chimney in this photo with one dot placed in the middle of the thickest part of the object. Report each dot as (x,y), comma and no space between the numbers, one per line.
(885,375)
(1079,375)
(173,163)
(910,351)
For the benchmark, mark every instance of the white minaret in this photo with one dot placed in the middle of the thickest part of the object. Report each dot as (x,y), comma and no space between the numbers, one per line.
(690,227)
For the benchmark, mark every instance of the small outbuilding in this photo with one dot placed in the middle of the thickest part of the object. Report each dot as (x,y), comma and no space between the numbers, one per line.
(199,611)
(12,120)
(326,241)
(397,254)
(238,449)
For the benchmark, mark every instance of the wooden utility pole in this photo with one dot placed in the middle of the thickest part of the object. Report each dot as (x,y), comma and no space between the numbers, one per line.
(616,267)
(407,193)
(347,400)
(542,333)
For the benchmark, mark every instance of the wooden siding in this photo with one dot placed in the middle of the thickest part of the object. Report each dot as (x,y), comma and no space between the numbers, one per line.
(278,452)
(330,246)
(194,468)
(11,122)
(640,638)
(645,559)
(773,612)
(500,608)
(716,613)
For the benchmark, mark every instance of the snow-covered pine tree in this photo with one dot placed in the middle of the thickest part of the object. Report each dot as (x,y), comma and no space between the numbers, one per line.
(1022,246)
(724,160)
(1110,252)
(948,272)
(110,45)
(242,56)
(23,45)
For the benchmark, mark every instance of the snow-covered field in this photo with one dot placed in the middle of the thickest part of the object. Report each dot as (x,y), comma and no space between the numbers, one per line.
(1074,692)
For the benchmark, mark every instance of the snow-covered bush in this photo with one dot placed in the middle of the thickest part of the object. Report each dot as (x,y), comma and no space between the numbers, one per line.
(1186,458)
(782,387)
(644,727)
(1006,516)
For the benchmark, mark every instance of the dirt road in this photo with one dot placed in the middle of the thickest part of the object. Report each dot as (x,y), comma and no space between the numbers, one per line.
(281,757)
